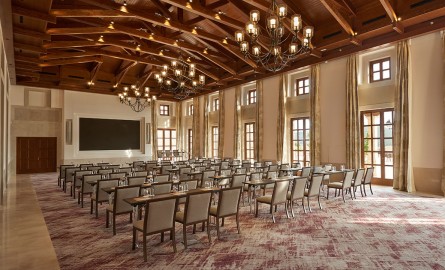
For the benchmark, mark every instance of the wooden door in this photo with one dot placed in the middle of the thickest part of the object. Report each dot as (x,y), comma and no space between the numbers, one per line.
(36,154)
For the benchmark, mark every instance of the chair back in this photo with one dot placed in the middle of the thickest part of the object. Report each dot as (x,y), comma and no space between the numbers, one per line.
(314,187)
(115,168)
(140,173)
(62,170)
(86,187)
(317,169)
(165,168)
(159,215)
(183,173)
(256,176)
(69,173)
(150,165)
(161,178)
(272,174)
(279,194)
(240,170)
(105,172)
(237,180)
(206,176)
(117,175)
(160,153)
(197,207)
(191,184)
(102,196)
(273,168)
(257,164)
(228,202)
(246,165)
(85,166)
(236,162)
(94,168)
(284,166)
(137,164)
(368,175)
(225,172)
(296,165)
(267,163)
(306,171)
(298,188)
(359,177)
(224,165)
(348,179)
(121,193)
(78,177)
(328,167)
(162,188)
(126,170)
(136,180)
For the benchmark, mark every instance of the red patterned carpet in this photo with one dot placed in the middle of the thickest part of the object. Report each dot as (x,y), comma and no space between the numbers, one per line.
(387,230)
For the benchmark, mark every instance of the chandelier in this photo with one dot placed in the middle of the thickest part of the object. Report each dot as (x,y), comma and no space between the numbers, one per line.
(179,78)
(140,100)
(275,58)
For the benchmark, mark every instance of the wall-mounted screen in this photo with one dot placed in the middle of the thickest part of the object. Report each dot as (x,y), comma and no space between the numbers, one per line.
(109,134)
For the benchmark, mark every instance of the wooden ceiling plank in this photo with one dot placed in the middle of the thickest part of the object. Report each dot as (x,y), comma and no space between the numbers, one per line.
(27,73)
(33,14)
(69,61)
(330,6)
(95,72)
(217,4)
(71,44)
(220,64)
(26,59)
(162,8)
(31,33)
(196,8)
(296,10)
(27,66)
(58,55)
(28,47)
(121,74)
(396,24)
(78,30)
(147,77)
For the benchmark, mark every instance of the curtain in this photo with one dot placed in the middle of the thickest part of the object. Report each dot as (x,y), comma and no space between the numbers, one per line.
(281,132)
(154,130)
(207,148)
(315,134)
(195,128)
(443,61)
(179,129)
(238,128)
(352,115)
(221,121)
(259,121)
(401,119)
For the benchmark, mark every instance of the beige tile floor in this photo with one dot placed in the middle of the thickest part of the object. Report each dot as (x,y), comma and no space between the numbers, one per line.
(24,239)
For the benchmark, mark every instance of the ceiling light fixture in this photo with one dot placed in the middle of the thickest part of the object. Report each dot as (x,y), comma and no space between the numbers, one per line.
(140,100)
(274,38)
(179,78)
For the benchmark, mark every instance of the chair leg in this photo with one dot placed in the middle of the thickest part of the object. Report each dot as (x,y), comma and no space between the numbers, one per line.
(302,203)
(173,237)
(291,204)
(81,200)
(145,248)
(364,190)
(217,227)
(203,226)
(361,190)
(208,229)
(78,197)
(107,220)
(184,235)
(222,223)
(309,205)
(273,217)
(327,196)
(91,207)
(350,193)
(97,209)
(131,217)
(133,245)
(114,224)
(370,188)
(256,209)
(286,209)
(162,237)
(237,223)
(319,204)
(343,195)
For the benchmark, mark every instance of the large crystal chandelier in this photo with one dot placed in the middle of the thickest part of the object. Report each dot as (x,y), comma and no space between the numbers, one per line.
(140,101)
(276,56)
(179,78)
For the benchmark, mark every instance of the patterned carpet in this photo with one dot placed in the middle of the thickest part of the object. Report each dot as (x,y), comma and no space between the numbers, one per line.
(387,230)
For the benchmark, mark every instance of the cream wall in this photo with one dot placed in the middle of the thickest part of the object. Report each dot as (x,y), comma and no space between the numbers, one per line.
(270,116)
(229,125)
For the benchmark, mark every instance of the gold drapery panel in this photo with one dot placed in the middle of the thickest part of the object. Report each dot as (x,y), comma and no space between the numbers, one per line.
(238,128)
(195,128)
(401,119)
(259,121)
(315,133)
(179,129)
(352,115)
(443,87)
(281,132)
(207,148)
(221,121)
(154,130)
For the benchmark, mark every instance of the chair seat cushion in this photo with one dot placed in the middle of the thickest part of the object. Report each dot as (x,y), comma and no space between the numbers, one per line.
(179,216)
(213,210)
(264,199)
(335,185)
(139,224)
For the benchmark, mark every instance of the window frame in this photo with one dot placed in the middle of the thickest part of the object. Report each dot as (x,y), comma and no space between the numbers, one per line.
(190,141)
(216,104)
(190,110)
(172,145)
(251,96)
(306,151)
(249,153)
(297,87)
(215,141)
(380,71)
(164,110)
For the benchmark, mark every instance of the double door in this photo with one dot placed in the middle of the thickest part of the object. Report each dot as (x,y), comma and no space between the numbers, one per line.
(36,154)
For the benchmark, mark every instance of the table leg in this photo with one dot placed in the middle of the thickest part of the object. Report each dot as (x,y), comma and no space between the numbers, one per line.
(135,218)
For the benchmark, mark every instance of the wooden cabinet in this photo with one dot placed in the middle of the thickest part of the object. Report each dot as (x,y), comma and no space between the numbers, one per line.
(36,154)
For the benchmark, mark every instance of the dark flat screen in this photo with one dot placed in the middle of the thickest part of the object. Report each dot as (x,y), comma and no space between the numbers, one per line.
(108,134)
